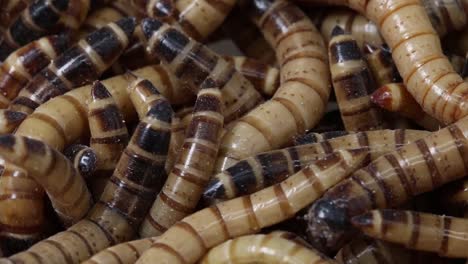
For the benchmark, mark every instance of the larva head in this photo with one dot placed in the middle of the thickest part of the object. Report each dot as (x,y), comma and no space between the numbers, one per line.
(383,97)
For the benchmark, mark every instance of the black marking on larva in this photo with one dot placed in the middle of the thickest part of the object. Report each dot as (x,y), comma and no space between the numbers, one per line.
(161,111)
(81,71)
(296,162)
(8,141)
(392,217)
(33,59)
(415,229)
(460,143)
(353,83)
(124,189)
(143,171)
(447,222)
(109,117)
(148,87)
(205,128)
(152,140)
(14,117)
(21,33)
(400,172)
(337,30)
(326,146)
(127,25)
(306,139)
(35,146)
(243,177)
(149,26)
(106,43)
(169,44)
(208,102)
(221,79)
(436,177)
(99,91)
(197,65)
(274,167)
(281,15)
(214,189)
(342,51)
(43,15)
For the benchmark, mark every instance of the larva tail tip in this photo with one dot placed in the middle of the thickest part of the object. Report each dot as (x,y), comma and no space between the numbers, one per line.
(337,30)
(127,24)
(382,97)
(149,26)
(99,91)
(362,221)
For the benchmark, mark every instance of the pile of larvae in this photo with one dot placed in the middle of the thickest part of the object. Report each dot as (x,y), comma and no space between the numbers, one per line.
(318,131)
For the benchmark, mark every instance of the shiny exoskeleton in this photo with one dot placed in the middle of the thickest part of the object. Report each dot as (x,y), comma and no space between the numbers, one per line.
(83,158)
(9,10)
(313,137)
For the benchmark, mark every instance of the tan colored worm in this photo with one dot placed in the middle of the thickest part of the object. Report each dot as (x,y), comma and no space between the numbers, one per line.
(300,101)
(188,240)
(263,249)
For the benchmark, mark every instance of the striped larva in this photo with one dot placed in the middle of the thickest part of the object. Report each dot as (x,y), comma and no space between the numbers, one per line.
(192,170)
(352,83)
(389,181)
(126,199)
(262,170)
(394,97)
(443,235)
(380,63)
(9,10)
(300,101)
(199,67)
(313,137)
(263,249)
(20,67)
(42,18)
(83,158)
(189,239)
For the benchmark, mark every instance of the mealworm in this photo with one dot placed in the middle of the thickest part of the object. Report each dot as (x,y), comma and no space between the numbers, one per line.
(313,137)
(263,77)
(200,67)
(443,235)
(263,249)
(123,253)
(41,18)
(262,170)
(9,10)
(388,181)
(381,65)
(352,83)
(192,170)
(79,65)
(189,239)
(198,18)
(300,101)
(445,16)
(126,199)
(394,97)
(83,158)
(109,135)
(20,67)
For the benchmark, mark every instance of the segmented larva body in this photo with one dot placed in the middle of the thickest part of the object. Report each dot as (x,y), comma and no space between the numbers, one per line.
(445,16)
(20,67)
(443,235)
(264,78)
(9,120)
(79,65)
(200,67)
(366,251)
(389,181)
(51,170)
(123,253)
(198,18)
(265,169)
(9,10)
(352,83)
(189,239)
(263,249)
(98,19)
(126,199)
(41,18)
(394,97)
(313,137)
(83,158)
(381,65)
(192,170)
(300,101)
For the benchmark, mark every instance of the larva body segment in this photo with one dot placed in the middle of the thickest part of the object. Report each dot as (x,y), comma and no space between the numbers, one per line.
(300,101)
(9,10)
(394,97)
(352,83)
(41,18)
(389,181)
(265,169)
(192,170)
(381,65)
(189,239)
(313,137)
(443,235)
(10,120)
(83,158)
(199,67)
(21,65)
(79,65)
(177,139)
(263,249)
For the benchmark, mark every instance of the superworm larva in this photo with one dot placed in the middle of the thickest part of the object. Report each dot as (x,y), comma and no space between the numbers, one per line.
(381,65)
(41,18)
(443,235)
(9,10)
(300,101)
(83,158)
(126,199)
(388,181)
(394,97)
(200,67)
(352,83)
(263,249)
(20,67)
(188,240)
(192,170)
(264,169)
(9,120)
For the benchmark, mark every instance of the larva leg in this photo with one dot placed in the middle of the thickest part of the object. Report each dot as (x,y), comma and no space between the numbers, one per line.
(353,84)
(263,249)
(190,239)
(300,101)
(394,97)
(381,64)
(184,185)
(440,234)
(389,181)
(200,67)
(24,63)
(83,158)
(262,170)
(109,135)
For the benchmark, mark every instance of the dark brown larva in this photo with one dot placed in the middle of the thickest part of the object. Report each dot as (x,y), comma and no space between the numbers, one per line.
(83,158)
